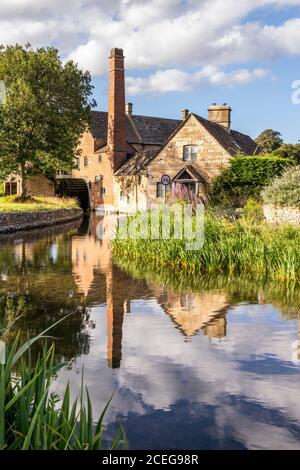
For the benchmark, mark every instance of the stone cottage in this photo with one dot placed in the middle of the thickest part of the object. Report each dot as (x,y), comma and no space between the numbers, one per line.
(124,155)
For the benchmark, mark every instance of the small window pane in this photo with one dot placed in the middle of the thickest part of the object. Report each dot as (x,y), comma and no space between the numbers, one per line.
(86,161)
(190,153)
(160,190)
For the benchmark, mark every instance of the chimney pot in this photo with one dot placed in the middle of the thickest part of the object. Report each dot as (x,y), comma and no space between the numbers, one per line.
(184,114)
(129,109)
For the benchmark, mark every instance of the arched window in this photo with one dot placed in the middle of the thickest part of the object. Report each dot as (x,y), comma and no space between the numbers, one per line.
(189,153)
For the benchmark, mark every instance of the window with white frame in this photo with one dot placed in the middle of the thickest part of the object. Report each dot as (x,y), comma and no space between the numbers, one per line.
(189,153)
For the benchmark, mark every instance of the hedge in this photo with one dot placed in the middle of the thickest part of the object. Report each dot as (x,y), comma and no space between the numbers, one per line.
(246,177)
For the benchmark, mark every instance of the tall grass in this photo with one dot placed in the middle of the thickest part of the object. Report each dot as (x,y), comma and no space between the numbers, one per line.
(33,418)
(230,247)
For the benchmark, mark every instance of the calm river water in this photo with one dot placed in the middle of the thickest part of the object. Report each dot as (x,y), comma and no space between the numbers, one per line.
(194,363)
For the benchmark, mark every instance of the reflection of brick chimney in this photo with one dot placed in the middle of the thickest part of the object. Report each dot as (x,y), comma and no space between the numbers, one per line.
(221,115)
(116,132)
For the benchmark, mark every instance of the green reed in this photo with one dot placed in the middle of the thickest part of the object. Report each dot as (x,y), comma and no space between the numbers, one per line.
(230,247)
(33,418)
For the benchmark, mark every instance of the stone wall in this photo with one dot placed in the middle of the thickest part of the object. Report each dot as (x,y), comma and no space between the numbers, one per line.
(37,185)
(281,215)
(212,158)
(15,221)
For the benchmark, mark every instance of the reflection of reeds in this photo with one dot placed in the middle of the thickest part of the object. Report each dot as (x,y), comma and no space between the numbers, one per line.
(285,295)
(33,418)
(231,248)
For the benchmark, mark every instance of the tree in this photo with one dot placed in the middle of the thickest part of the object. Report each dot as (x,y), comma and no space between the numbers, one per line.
(46,109)
(291,151)
(269,140)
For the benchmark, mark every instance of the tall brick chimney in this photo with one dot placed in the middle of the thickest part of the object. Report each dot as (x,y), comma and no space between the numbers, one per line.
(116,132)
(221,115)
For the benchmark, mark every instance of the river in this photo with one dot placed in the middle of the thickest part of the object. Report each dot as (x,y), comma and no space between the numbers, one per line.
(193,363)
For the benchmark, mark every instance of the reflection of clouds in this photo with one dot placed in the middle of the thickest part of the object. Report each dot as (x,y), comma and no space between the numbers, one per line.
(159,369)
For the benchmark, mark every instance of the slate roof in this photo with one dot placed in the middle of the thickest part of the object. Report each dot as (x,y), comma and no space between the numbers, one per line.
(248,145)
(136,164)
(158,131)
(139,129)
(98,127)
(234,142)
(153,130)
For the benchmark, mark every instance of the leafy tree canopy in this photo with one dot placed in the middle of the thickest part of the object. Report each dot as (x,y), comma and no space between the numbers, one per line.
(46,109)
(269,140)
(291,151)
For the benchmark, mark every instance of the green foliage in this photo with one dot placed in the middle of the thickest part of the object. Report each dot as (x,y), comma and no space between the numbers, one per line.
(33,418)
(284,191)
(245,177)
(291,151)
(269,140)
(231,248)
(45,110)
(253,211)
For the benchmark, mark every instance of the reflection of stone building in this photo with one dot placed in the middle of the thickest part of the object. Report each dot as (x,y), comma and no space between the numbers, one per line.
(102,282)
(197,311)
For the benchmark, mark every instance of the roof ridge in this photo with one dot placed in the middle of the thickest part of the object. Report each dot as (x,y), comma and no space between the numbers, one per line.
(220,126)
(139,115)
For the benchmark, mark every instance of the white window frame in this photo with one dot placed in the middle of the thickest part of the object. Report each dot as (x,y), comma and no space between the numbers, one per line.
(190,153)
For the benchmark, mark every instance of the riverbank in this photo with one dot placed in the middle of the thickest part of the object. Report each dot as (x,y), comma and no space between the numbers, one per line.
(14,204)
(230,247)
(20,221)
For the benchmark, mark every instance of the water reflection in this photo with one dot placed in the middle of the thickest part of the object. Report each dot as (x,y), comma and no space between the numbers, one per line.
(195,362)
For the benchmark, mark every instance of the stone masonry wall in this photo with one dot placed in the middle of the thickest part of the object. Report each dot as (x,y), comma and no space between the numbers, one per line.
(211,157)
(281,215)
(15,221)
(97,165)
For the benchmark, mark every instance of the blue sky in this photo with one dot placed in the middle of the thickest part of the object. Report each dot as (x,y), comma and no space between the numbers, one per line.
(179,53)
(256,106)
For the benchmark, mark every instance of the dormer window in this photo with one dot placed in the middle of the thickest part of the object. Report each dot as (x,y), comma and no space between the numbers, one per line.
(189,153)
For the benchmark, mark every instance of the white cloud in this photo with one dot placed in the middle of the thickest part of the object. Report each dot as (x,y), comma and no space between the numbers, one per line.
(170,36)
(164,81)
